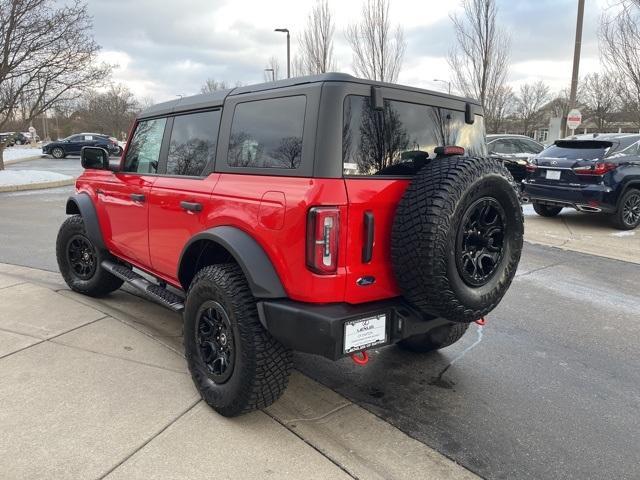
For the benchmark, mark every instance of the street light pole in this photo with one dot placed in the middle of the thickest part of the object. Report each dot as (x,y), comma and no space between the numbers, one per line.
(286,30)
(444,81)
(576,61)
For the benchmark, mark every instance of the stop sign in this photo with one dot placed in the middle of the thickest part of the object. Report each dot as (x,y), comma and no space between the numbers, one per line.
(574,119)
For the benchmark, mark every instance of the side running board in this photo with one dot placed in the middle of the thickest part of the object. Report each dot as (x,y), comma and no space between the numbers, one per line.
(154,292)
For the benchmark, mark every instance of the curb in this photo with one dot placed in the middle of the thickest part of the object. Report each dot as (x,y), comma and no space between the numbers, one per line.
(37,186)
(25,159)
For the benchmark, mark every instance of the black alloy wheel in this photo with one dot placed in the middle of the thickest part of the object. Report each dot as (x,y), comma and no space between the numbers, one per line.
(480,241)
(631,209)
(215,340)
(82,257)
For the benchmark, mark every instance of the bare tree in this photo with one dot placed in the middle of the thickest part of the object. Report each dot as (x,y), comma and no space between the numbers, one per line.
(529,102)
(480,58)
(620,48)
(316,43)
(498,106)
(377,52)
(600,94)
(213,85)
(272,64)
(111,111)
(47,55)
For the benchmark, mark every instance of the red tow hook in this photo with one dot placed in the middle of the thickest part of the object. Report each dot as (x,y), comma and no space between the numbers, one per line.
(481,321)
(360,360)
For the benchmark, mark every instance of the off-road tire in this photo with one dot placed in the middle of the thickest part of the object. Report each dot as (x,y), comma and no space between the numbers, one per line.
(546,210)
(436,339)
(57,153)
(261,364)
(101,282)
(426,231)
(618,218)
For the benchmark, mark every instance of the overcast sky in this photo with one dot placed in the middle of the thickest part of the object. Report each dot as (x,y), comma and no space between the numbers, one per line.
(166,48)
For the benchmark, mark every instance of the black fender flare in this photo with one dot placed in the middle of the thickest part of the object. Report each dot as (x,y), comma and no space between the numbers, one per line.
(630,184)
(81,204)
(247,252)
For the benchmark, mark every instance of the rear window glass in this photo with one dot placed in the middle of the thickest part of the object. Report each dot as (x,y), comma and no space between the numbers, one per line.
(267,133)
(576,150)
(397,139)
(193,143)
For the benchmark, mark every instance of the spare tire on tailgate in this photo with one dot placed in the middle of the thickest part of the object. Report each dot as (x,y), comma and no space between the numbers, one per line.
(457,237)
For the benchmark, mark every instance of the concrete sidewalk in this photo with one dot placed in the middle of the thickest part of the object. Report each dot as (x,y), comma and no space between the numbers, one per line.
(98,388)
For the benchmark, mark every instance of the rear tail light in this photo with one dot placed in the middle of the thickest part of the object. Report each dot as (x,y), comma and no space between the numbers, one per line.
(322,239)
(531,168)
(449,150)
(599,168)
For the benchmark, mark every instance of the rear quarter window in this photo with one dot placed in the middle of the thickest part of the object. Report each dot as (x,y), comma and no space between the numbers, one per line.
(267,133)
(393,140)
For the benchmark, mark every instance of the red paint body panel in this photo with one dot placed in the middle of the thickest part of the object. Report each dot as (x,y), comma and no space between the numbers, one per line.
(381,197)
(171,226)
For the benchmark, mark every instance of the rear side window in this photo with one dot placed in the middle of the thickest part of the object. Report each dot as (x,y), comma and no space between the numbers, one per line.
(505,147)
(143,153)
(530,147)
(193,143)
(267,133)
(394,140)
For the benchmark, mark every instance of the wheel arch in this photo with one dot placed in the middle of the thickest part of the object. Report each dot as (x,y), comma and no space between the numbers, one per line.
(81,204)
(225,243)
(632,184)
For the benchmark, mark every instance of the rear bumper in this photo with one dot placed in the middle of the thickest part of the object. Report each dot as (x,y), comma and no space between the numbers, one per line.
(319,328)
(588,198)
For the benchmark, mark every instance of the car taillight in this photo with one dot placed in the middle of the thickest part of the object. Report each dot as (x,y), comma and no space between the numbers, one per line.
(322,239)
(599,168)
(531,168)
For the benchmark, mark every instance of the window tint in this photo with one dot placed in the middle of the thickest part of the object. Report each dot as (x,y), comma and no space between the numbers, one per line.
(399,138)
(575,151)
(143,153)
(75,138)
(267,133)
(193,143)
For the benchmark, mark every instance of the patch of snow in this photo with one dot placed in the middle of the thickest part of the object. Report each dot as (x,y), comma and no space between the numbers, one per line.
(26,177)
(628,233)
(17,153)
(527,210)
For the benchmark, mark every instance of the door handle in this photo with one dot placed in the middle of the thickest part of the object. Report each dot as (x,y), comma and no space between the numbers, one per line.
(137,197)
(191,206)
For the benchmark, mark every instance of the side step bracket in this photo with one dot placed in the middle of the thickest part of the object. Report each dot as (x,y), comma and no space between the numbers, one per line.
(154,292)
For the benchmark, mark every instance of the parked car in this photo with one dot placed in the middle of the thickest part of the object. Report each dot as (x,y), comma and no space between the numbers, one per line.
(9,138)
(515,151)
(73,145)
(591,173)
(323,214)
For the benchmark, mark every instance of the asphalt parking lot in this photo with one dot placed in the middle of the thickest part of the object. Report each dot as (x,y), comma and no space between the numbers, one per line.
(547,389)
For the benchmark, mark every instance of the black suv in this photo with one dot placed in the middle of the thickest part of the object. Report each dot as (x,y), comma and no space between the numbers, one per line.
(73,145)
(591,173)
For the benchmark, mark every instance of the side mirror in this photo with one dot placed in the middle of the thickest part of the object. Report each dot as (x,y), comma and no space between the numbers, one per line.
(95,158)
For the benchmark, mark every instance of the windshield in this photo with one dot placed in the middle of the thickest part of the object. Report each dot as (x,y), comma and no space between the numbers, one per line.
(577,150)
(398,139)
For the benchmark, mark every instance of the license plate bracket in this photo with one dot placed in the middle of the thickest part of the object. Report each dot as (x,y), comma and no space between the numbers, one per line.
(363,333)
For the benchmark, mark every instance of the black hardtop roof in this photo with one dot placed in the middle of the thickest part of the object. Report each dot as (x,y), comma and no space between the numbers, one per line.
(217,98)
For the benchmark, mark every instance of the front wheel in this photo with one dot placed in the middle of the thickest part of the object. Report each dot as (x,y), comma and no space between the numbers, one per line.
(57,153)
(79,261)
(236,365)
(628,215)
(546,210)
(436,339)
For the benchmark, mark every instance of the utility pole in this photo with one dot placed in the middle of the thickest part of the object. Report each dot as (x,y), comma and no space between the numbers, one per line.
(286,30)
(576,62)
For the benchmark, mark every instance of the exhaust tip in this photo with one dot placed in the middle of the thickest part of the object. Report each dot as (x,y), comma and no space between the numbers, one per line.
(588,208)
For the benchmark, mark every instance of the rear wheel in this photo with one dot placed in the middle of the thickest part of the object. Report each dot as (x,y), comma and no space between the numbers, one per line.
(436,339)
(79,261)
(628,215)
(235,363)
(546,210)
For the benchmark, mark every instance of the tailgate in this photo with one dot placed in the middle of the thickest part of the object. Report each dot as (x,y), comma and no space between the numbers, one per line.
(371,201)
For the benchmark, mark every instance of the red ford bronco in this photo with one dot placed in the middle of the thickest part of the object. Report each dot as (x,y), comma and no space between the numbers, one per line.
(324,214)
